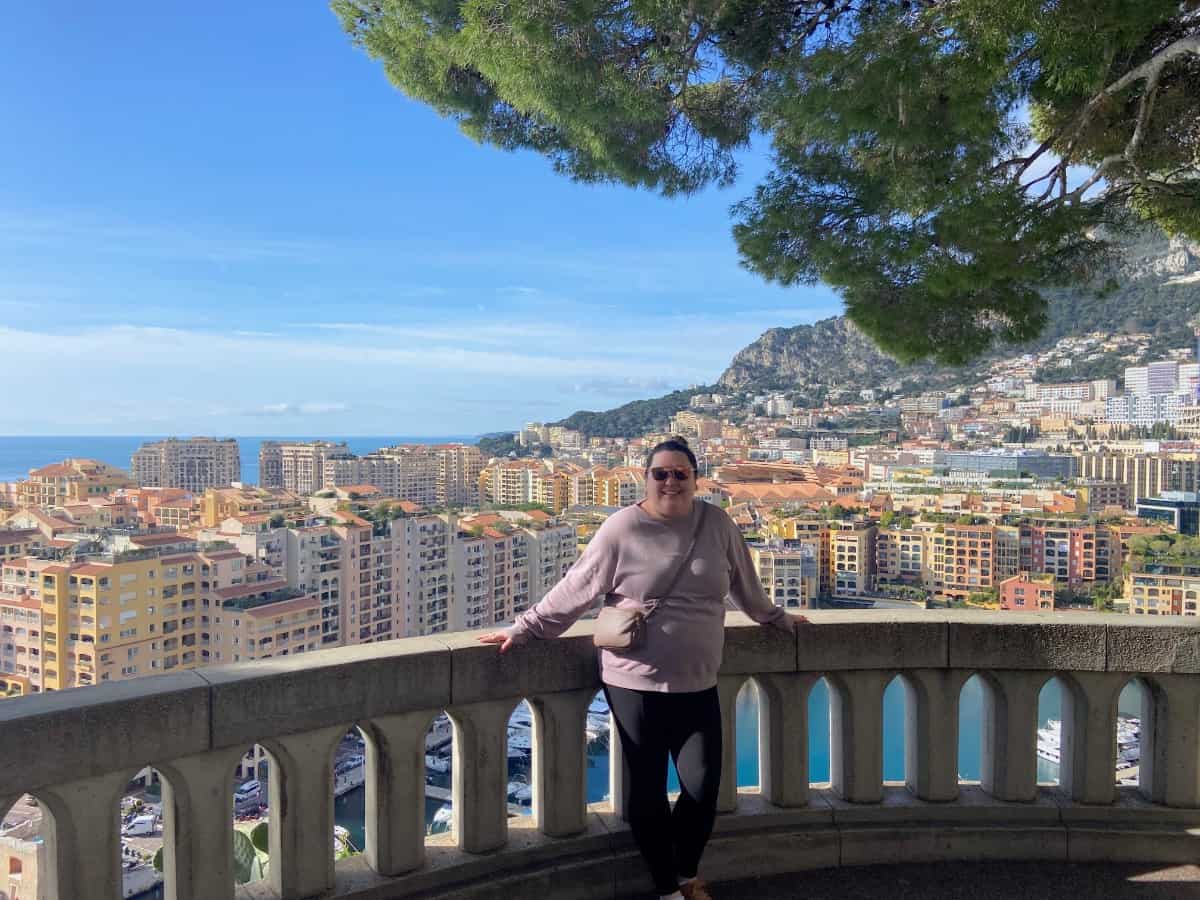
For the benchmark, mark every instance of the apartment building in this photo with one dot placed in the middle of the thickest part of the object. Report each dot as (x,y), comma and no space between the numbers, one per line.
(851,555)
(1076,554)
(265,620)
(1166,591)
(962,560)
(219,504)
(459,466)
(193,464)
(16,542)
(297,466)
(813,534)
(70,481)
(20,644)
(788,573)
(135,610)
(1144,475)
(901,556)
(695,425)
(318,562)
(511,482)
(1025,592)
(405,473)
(423,575)
(623,486)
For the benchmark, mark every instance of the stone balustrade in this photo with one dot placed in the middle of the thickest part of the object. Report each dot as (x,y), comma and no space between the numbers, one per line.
(76,751)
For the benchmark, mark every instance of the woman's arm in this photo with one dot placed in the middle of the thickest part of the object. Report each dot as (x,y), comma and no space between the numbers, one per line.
(590,577)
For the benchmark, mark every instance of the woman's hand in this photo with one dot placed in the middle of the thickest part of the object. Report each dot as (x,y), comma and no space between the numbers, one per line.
(797,621)
(497,637)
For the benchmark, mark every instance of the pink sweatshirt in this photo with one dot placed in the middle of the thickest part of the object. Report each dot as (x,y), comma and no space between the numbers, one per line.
(632,555)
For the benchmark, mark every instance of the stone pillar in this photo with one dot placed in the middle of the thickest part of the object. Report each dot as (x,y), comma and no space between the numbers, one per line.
(728,687)
(301,830)
(1009,746)
(783,737)
(560,761)
(931,732)
(1170,764)
(395,794)
(480,778)
(198,816)
(618,772)
(1089,735)
(85,847)
(856,734)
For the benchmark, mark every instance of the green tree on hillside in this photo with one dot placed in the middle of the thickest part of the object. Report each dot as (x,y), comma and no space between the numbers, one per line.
(921,147)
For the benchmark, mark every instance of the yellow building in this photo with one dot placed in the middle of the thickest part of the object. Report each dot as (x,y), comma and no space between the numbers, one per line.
(17,542)
(1175,591)
(71,481)
(789,574)
(219,504)
(264,621)
(963,560)
(136,612)
(851,556)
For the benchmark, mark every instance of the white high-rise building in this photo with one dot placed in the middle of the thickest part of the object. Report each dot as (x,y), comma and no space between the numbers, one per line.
(192,464)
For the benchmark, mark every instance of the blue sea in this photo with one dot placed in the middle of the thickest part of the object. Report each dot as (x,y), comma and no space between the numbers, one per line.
(20,454)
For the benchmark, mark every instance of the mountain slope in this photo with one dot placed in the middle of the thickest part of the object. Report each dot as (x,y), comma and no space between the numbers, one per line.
(1155,288)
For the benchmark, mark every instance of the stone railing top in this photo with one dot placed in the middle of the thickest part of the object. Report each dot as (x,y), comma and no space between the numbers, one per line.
(61,736)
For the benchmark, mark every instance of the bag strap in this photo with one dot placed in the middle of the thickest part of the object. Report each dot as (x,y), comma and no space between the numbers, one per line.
(652,607)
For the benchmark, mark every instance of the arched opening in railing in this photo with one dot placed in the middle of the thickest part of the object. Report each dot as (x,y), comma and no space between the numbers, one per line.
(746,728)
(26,834)
(350,774)
(598,737)
(896,698)
(1050,746)
(250,805)
(519,765)
(1134,702)
(970,730)
(143,832)
(818,733)
(439,774)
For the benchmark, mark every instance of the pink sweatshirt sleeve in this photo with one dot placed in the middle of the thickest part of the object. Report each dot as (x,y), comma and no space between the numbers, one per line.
(591,577)
(745,589)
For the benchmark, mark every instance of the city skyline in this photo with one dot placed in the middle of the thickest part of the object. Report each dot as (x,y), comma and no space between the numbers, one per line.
(324,254)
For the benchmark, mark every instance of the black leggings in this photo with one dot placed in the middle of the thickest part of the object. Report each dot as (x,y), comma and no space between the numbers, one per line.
(688,727)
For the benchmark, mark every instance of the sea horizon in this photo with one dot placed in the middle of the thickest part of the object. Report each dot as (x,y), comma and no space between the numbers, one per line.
(20,453)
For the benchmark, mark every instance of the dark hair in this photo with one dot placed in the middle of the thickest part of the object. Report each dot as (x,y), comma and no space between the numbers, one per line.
(675,444)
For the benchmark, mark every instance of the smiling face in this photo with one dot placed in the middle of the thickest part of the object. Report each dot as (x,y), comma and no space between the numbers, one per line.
(671,498)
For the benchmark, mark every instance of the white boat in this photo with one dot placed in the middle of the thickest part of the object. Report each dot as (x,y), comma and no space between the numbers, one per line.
(443,820)
(437,764)
(520,793)
(348,774)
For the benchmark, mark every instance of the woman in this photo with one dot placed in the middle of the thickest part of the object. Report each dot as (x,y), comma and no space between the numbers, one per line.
(663,694)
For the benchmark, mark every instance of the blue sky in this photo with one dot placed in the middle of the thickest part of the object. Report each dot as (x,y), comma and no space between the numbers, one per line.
(221,218)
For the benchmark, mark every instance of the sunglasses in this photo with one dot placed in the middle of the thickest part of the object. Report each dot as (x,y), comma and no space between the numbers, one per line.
(661,474)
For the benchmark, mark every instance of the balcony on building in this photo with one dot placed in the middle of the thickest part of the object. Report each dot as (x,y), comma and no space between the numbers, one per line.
(76,752)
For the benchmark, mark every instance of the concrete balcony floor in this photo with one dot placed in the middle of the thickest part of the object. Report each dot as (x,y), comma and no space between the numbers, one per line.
(975,881)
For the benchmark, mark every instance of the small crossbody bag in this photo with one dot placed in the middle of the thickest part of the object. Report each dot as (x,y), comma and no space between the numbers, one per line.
(621,629)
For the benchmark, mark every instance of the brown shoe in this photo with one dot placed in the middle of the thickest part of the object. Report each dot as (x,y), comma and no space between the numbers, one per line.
(696,889)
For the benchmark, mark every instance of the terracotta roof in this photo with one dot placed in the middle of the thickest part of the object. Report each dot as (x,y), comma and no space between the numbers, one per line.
(29,603)
(53,470)
(282,606)
(157,540)
(218,555)
(237,591)
(91,569)
(10,536)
